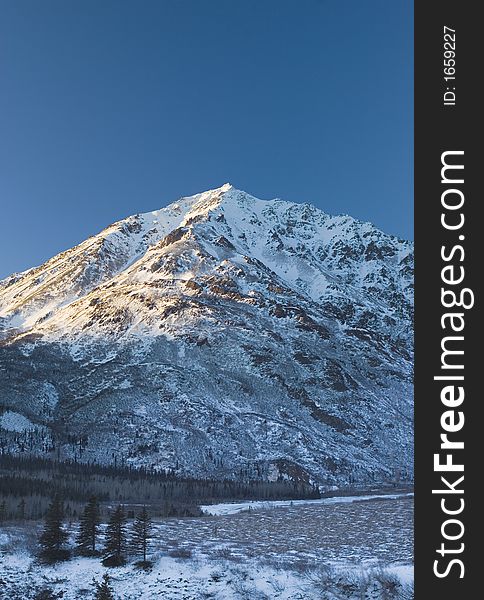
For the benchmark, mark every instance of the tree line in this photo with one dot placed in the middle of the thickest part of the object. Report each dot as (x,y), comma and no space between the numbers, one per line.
(26,485)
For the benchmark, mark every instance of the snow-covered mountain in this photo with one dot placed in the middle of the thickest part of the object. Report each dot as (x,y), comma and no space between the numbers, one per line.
(220,336)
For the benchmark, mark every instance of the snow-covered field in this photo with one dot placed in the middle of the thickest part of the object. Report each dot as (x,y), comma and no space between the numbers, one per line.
(296,552)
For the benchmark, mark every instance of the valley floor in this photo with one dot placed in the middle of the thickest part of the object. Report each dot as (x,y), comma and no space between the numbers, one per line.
(323,551)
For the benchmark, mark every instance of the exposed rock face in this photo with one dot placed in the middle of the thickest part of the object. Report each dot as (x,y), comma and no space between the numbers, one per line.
(221,336)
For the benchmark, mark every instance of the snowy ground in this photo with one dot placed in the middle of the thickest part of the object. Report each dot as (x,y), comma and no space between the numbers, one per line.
(231,508)
(304,551)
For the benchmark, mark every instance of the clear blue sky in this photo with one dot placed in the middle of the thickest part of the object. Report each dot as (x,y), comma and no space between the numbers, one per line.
(109,108)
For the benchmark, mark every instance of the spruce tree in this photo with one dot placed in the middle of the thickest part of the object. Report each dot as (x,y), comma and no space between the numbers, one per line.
(115,541)
(54,536)
(104,590)
(21,510)
(88,528)
(3,511)
(140,534)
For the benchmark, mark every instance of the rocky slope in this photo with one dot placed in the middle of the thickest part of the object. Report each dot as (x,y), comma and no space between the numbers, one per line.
(220,336)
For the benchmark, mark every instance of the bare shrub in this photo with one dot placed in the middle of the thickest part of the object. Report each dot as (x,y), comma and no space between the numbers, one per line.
(246,591)
(389,585)
(223,553)
(48,594)
(406,592)
(216,576)
(301,566)
(330,584)
(277,586)
(181,553)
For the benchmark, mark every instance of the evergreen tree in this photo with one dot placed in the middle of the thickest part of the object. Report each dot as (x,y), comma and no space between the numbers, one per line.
(141,533)
(88,528)
(54,535)
(3,511)
(104,590)
(21,510)
(115,539)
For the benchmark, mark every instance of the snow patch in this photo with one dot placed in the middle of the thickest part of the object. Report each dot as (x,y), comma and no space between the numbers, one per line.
(233,508)
(12,421)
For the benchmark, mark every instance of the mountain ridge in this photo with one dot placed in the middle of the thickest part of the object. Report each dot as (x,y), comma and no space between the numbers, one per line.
(299,314)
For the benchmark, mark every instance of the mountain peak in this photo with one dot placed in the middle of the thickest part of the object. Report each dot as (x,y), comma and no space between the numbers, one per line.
(234,335)
(203,236)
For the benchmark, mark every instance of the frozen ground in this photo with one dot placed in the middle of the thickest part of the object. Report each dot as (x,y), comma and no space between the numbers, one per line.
(304,551)
(231,508)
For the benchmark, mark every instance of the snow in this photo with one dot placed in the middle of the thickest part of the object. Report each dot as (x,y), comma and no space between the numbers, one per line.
(236,507)
(12,421)
(171,579)
(289,554)
(405,573)
(44,298)
(257,329)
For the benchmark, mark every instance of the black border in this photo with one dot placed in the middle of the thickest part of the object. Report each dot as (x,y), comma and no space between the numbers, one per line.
(439,128)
